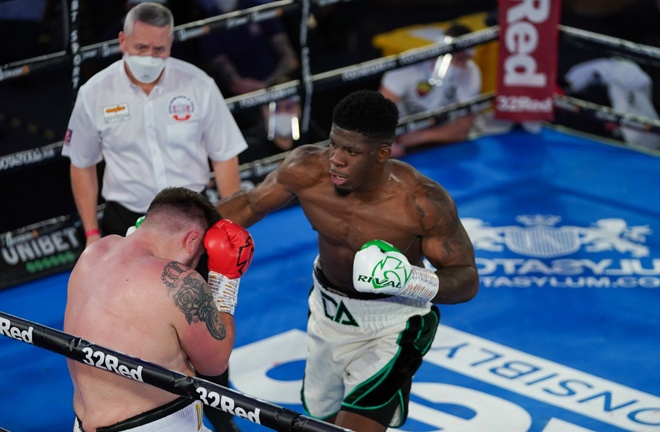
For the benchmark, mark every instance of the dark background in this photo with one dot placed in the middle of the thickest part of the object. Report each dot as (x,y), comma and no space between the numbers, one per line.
(34,110)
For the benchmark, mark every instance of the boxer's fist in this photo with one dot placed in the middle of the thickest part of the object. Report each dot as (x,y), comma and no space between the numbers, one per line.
(132,229)
(230,248)
(379,267)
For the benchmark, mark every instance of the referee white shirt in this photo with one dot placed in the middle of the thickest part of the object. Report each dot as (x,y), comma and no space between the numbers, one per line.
(151,141)
(415,94)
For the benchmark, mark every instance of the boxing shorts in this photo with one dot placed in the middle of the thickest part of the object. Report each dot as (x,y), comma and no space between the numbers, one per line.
(180,415)
(362,354)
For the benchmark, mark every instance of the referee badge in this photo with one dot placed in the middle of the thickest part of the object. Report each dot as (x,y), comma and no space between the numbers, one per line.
(181,108)
(116,113)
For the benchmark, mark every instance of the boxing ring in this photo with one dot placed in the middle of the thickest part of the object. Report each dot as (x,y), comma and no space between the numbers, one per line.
(558,338)
(563,335)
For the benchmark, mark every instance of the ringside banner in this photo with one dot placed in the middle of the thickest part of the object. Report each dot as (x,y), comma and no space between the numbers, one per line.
(54,245)
(39,250)
(527,69)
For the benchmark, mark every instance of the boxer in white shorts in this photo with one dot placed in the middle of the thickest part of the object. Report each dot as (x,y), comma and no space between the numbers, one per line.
(180,415)
(377,220)
(362,353)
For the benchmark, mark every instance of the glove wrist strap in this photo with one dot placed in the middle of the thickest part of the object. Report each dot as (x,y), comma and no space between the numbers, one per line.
(423,284)
(225,291)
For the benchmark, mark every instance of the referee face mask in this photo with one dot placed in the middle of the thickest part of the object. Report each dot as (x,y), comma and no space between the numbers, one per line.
(145,69)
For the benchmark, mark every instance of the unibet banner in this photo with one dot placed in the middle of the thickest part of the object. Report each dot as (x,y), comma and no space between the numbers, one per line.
(54,245)
(527,67)
(39,250)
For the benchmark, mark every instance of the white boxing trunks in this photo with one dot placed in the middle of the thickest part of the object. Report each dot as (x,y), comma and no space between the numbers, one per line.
(180,415)
(362,354)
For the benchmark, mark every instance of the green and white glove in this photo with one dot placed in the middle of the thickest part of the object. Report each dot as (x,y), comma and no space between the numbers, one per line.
(132,229)
(379,267)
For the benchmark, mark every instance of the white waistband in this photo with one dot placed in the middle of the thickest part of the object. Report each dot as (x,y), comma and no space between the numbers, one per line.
(187,419)
(383,311)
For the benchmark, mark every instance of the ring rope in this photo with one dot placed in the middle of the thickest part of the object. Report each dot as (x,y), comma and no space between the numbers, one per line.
(445,114)
(479,103)
(565,103)
(606,114)
(310,84)
(214,395)
(181,32)
(360,71)
(622,47)
(233,19)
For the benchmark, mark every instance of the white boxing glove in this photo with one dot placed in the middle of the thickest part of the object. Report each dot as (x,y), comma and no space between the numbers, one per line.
(381,268)
(131,229)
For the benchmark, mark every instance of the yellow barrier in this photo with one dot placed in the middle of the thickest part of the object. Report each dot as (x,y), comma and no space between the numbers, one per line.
(406,38)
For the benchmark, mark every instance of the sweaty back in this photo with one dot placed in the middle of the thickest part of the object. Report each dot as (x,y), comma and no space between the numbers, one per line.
(116,299)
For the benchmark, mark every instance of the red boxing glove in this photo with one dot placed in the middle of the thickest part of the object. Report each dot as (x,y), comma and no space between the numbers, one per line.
(230,248)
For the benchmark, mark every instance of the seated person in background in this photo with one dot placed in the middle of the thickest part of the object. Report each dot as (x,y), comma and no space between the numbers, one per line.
(276,128)
(249,58)
(629,89)
(279,129)
(431,85)
(283,121)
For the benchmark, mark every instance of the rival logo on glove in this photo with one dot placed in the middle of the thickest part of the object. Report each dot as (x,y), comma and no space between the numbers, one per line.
(392,274)
(379,267)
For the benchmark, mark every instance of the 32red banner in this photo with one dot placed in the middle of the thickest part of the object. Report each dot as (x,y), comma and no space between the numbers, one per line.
(527,70)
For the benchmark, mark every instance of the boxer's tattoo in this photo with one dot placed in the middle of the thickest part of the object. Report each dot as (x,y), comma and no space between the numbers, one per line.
(193,298)
(171,274)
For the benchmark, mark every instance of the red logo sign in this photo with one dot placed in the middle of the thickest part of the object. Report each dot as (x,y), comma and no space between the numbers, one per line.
(527,69)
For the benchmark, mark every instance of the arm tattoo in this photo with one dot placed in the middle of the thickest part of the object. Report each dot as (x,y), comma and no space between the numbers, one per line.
(429,207)
(193,298)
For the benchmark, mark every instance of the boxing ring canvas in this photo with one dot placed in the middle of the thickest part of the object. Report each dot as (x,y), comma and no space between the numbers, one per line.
(564,334)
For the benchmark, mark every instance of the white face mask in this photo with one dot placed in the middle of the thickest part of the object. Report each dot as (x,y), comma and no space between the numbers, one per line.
(145,69)
(284,125)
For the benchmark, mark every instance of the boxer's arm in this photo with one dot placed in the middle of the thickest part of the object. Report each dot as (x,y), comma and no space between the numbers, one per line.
(250,206)
(276,191)
(205,334)
(447,246)
(209,336)
(452,254)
